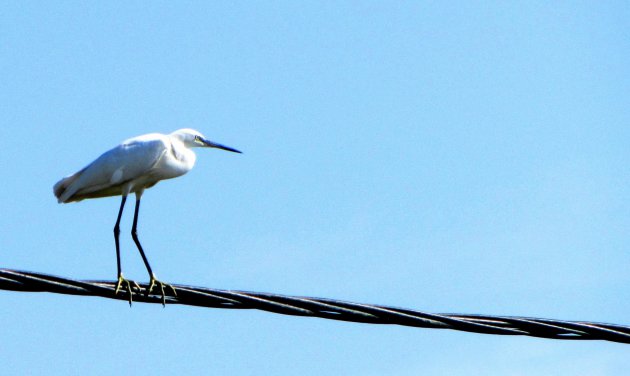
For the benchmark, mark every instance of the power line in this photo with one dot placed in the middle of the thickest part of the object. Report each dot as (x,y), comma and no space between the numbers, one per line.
(324,308)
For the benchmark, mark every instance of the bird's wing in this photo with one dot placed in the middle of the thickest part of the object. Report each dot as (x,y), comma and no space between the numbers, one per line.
(107,175)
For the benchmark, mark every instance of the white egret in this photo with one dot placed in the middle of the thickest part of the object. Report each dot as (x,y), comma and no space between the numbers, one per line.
(131,167)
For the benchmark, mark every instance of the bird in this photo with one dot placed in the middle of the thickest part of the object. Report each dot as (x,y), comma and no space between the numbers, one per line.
(136,164)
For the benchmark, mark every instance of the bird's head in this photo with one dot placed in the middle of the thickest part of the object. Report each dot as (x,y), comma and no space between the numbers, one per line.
(192,139)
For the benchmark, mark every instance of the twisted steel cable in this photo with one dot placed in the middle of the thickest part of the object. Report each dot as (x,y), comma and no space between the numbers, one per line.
(324,308)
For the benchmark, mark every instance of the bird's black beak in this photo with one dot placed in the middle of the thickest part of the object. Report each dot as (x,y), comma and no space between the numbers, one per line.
(211,144)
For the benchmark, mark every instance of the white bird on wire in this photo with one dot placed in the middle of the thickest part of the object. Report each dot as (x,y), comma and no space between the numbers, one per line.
(131,167)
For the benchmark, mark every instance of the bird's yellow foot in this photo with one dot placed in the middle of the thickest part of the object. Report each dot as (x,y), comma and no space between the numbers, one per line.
(129,285)
(155,282)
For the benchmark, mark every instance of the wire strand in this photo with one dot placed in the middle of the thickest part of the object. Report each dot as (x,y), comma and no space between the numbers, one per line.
(324,308)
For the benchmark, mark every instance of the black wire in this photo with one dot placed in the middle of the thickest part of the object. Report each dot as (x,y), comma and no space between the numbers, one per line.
(325,308)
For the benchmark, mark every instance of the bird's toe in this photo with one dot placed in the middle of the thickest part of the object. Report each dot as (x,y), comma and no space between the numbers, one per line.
(126,285)
(162,285)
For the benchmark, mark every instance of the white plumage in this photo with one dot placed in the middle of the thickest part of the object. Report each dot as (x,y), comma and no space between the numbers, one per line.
(131,167)
(136,164)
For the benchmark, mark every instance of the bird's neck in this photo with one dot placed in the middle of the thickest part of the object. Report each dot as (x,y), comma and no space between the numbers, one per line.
(183,155)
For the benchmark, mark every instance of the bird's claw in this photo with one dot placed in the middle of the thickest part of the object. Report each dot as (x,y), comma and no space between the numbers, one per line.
(155,282)
(130,284)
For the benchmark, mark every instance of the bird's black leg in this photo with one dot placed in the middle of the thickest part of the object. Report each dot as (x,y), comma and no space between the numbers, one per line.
(153,280)
(117,233)
(121,279)
(134,235)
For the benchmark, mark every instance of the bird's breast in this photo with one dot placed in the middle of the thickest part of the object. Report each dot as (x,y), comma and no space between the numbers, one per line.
(175,162)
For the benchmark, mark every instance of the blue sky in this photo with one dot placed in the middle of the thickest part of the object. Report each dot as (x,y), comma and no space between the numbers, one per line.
(467,157)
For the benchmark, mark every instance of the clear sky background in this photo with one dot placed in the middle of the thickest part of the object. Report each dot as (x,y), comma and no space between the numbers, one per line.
(468,157)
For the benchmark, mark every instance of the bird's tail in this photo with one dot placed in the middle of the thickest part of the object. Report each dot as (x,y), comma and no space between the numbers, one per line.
(61,190)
